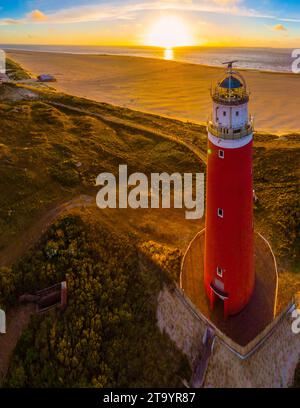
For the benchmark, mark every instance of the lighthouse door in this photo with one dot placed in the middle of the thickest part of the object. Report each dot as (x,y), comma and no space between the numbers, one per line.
(220,296)
(217,287)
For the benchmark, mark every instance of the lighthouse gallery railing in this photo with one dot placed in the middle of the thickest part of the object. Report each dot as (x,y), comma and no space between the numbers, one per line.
(230,133)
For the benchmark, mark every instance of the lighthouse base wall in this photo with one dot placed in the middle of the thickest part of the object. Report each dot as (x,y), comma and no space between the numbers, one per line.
(269,361)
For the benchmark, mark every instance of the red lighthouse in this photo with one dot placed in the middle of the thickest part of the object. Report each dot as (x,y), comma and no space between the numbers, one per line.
(229,255)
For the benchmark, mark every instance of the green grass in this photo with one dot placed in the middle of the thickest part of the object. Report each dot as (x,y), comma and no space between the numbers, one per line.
(276,180)
(48,156)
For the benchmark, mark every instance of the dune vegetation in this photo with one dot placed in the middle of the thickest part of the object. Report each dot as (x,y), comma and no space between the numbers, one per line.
(107,337)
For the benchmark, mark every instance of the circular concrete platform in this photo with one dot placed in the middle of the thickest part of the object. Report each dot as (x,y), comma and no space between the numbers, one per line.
(260,311)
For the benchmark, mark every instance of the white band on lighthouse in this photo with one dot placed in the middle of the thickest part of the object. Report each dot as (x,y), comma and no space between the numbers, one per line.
(230,143)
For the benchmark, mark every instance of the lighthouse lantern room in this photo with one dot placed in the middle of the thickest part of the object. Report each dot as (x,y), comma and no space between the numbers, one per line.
(229,256)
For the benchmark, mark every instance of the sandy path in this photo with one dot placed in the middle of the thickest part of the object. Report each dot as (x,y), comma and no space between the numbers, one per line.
(31,236)
(168,88)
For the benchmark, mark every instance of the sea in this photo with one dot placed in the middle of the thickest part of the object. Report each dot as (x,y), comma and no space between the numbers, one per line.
(263,59)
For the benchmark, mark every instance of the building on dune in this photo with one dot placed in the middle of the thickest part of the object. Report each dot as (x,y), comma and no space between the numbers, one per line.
(46,78)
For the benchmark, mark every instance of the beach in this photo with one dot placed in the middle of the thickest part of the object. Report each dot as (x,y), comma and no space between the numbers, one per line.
(174,89)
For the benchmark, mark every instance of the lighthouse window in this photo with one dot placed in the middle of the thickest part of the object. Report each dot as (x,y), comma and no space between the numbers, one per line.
(224,113)
(221,154)
(237,113)
(219,272)
(220,212)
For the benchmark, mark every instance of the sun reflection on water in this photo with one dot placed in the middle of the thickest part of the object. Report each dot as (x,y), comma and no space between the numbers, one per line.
(168,53)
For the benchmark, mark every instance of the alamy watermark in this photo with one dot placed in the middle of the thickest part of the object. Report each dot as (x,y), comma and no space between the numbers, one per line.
(2,322)
(296,62)
(2,62)
(296,321)
(161,190)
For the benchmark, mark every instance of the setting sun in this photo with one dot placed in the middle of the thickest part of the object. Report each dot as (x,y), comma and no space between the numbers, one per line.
(169,32)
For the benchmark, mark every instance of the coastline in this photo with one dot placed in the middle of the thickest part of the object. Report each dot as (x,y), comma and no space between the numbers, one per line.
(174,89)
(145,52)
(103,54)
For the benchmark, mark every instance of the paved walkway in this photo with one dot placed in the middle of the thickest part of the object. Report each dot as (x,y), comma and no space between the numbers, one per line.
(198,377)
(14,251)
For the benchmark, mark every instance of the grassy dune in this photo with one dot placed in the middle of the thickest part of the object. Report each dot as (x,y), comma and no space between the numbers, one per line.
(49,155)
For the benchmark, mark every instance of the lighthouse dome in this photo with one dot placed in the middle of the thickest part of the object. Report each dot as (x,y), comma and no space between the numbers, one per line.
(231,82)
(231,89)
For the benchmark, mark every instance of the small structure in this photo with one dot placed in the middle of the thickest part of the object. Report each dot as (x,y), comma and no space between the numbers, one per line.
(48,298)
(46,78)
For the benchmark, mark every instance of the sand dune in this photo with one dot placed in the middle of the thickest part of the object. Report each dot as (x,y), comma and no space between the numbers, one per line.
(174,89)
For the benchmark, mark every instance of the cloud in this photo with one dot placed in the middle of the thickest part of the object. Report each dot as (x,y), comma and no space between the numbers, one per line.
(129,11)
(37,15)
(10,21)
(121,11)
(226,2)
(279,27)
